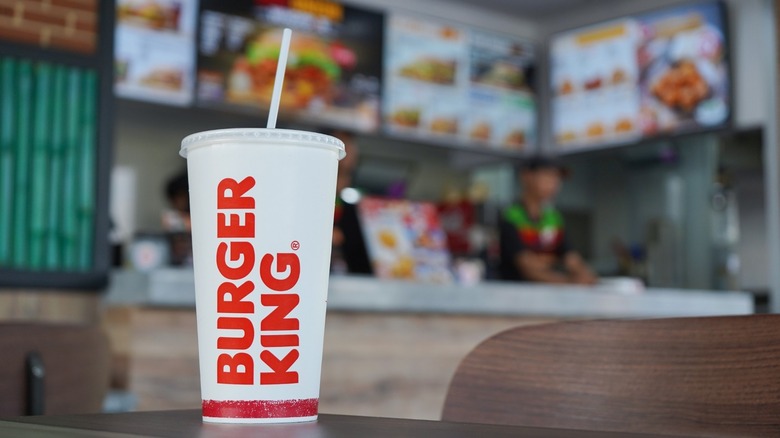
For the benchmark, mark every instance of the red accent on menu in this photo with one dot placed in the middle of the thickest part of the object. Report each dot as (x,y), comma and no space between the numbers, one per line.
(260,408)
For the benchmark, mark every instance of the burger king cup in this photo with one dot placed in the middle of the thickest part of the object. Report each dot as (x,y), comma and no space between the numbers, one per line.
(262,204)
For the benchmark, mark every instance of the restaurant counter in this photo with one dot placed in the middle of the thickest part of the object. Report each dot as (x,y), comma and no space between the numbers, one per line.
(175,287)
(391,347)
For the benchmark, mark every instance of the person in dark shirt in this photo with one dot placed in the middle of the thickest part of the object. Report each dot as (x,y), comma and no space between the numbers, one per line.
(532,232)
(348,243)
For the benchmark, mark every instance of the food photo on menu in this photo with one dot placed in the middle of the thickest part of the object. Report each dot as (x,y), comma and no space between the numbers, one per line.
(333,71)
(595,81)
(150,14)
(154,50)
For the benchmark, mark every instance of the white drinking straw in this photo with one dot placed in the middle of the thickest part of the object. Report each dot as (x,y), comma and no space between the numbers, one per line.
(279,81)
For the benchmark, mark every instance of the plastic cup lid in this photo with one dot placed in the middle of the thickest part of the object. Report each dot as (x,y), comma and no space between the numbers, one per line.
(261,135)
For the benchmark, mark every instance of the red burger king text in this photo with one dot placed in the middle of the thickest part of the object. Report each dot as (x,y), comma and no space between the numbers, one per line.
(235,262)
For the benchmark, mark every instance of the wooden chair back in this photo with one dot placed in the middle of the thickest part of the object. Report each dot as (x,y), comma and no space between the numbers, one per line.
(714,377)
(75,362)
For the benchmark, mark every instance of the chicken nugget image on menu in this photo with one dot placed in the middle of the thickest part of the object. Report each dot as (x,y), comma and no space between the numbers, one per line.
(681,87)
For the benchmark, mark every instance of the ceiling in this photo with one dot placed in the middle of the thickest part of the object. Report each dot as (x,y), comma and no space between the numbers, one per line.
(531,9)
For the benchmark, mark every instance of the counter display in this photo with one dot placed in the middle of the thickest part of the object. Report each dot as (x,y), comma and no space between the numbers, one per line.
(405,240)
(452,84)
(663,72)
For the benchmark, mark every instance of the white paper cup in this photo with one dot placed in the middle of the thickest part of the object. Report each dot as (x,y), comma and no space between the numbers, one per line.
(262,205)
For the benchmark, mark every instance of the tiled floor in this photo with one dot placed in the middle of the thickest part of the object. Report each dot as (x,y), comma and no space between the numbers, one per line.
(392,365)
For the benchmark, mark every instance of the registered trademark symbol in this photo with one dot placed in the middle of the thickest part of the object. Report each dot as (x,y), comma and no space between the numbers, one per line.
(295,245)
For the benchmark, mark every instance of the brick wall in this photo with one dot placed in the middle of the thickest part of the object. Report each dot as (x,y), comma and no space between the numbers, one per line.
(63,24)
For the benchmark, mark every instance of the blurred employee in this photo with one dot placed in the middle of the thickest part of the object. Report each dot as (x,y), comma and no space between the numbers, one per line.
(176,219)
(349,249)
(533,238)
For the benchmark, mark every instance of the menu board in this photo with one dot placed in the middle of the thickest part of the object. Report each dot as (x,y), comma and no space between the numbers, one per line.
(458,85)
(663,72)
(154,50)
(334,69)
(405,240)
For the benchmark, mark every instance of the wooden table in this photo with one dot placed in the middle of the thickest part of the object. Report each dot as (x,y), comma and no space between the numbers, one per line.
(188,424)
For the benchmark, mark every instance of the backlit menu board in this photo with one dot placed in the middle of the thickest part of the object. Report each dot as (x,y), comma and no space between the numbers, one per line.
(154,50)
(458,85)
(664,72)
(333,73)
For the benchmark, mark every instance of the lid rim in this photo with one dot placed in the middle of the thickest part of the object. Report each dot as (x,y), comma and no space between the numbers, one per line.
(204,138)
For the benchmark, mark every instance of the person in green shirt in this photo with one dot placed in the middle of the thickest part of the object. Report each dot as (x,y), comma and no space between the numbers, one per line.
(533,237)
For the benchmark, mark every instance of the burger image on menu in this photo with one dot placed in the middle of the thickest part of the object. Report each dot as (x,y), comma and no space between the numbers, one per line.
(406,117)
(502,74)
(312,71)
(430,69)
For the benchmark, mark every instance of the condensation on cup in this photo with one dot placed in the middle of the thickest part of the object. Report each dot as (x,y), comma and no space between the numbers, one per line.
(262,204)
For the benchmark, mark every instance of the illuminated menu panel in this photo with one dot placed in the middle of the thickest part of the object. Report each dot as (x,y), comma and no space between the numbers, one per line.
(664,72)
(457,85)
(155,50)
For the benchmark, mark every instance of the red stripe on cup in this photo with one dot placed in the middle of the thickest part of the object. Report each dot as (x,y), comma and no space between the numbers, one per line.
(260,408)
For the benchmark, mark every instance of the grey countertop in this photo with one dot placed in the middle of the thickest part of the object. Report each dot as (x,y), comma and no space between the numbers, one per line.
(175,287)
